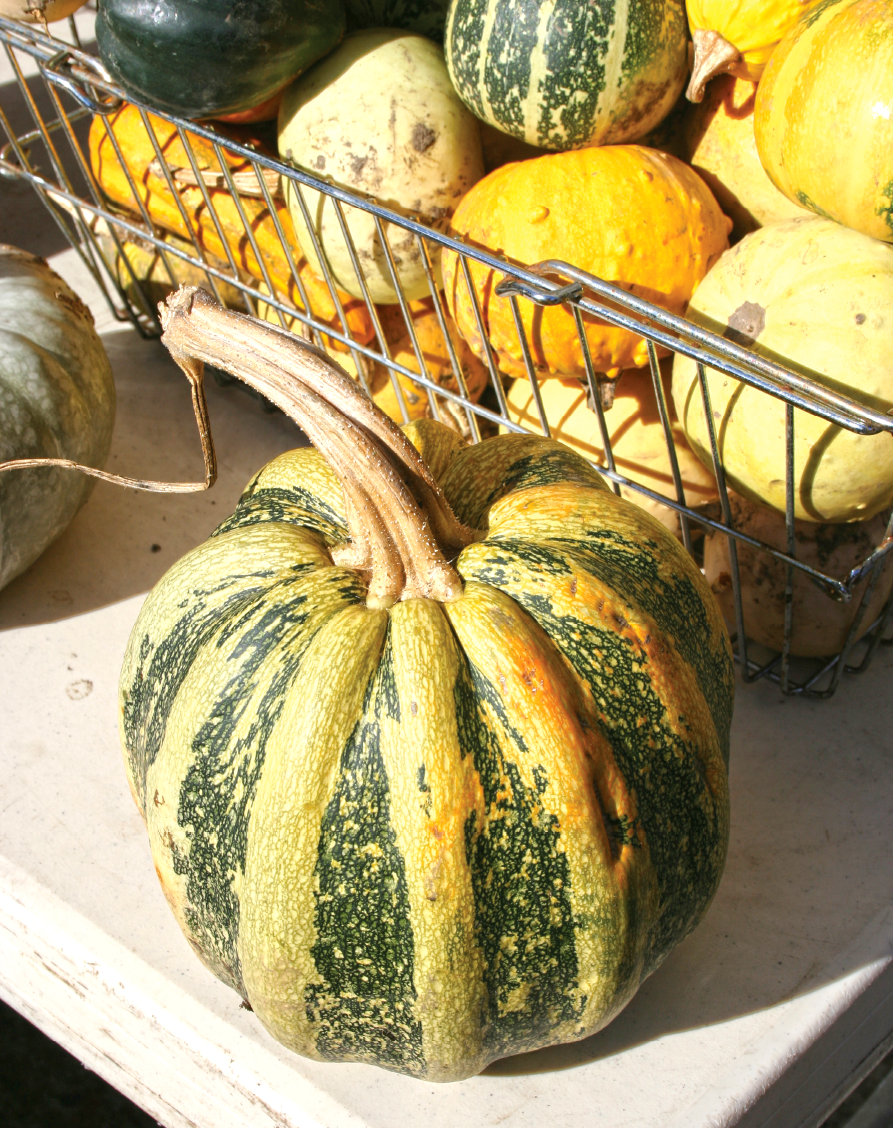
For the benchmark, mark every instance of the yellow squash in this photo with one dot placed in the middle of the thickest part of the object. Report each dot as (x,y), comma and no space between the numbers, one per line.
(817,298)
(824,115)
(737,36)
(716,138)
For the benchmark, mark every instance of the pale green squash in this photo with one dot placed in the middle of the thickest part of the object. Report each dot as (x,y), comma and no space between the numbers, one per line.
(57,400)
(817,298)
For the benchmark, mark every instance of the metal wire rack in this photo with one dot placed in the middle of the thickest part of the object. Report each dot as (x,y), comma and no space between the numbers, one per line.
(241,250)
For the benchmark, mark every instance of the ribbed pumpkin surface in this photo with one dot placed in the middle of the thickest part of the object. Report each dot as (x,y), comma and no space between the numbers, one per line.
(432,836)
(823,114)
(562,75)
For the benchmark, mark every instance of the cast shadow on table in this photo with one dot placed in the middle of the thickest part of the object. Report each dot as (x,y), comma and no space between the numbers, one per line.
(123,540)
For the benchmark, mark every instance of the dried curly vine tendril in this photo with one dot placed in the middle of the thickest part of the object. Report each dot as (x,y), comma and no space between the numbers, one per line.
(402,529)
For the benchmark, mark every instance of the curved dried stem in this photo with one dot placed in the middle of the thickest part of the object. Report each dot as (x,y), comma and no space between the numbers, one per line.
(401,526)
(199,406)
(713,55)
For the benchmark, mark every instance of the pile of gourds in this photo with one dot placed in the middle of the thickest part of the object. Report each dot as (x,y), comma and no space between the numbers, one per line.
(430,737)
(390,115)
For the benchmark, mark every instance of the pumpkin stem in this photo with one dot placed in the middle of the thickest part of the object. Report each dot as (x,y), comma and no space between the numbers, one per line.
(401,526)
(713,55)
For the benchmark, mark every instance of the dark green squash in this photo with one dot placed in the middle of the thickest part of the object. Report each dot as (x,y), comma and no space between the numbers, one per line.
(424,17)
(560,74)
(201,58)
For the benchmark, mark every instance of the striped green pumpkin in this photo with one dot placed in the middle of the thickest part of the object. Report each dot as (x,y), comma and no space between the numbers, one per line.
(561,74)
(432,835)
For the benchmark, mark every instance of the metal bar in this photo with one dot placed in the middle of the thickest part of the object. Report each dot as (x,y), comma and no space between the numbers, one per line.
(240,207)
(289,256)
(87,237)
(410,328)
(84,79)
(790,382)
(190,156)
(719,472)
(792,550)
(326,270)
(370,307)
(664,414)
(495,378)
(447,338)
(528,365)
(595,398)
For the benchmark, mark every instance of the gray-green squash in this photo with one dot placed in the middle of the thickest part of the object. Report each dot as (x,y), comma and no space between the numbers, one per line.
(57,400)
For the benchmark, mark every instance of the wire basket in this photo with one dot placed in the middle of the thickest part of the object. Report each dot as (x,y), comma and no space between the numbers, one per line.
(256,267)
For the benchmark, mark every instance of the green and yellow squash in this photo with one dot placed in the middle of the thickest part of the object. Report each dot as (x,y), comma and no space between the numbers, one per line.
(425,814)
(560,75)
(823,114)
(817,298)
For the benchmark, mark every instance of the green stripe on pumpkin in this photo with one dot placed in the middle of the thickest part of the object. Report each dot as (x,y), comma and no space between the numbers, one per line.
(279,892)
(364,954)
(179,618)
(203,780)
(682,821)
(563,75)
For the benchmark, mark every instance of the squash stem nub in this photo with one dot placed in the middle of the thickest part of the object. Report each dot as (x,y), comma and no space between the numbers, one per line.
(401,526)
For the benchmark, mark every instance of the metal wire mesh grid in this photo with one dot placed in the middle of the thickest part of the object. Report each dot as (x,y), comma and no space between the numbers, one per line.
(219,218)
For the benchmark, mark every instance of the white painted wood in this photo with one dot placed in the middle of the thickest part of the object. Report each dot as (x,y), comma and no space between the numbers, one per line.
(756,1019)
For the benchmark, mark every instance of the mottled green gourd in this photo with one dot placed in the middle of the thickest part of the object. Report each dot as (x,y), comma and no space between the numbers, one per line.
(425,814)
(57,400)
(560,74)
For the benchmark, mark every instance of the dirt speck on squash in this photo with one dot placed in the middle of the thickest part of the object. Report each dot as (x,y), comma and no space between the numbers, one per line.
(423,137)
(746,324)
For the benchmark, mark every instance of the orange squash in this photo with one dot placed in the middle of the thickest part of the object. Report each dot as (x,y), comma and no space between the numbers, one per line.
(633,216)
(638,443)
(154,193)
(437,359)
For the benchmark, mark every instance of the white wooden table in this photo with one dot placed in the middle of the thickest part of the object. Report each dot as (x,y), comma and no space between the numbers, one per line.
(766,1015)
